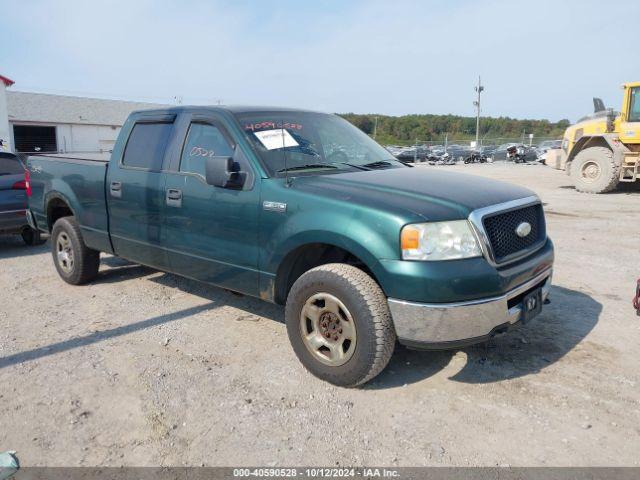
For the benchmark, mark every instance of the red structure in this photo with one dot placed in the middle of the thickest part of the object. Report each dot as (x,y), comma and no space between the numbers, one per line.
(7,81)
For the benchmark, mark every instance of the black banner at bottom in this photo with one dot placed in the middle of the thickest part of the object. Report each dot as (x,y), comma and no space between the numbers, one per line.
(237,473)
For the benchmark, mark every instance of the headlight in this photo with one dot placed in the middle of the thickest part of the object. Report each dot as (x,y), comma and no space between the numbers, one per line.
(439,241)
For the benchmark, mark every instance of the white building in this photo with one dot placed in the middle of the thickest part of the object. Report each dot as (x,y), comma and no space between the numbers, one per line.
(5,135)
(37,122)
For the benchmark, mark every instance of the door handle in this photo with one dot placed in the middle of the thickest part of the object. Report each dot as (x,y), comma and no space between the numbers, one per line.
(116,189)
(174,194)
(174,197)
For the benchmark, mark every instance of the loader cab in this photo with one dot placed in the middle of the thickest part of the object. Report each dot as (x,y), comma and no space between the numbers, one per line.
(629,126)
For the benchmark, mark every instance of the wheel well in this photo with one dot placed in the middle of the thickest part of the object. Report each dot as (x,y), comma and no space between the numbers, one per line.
(587,142)
(57,208)
(309,256)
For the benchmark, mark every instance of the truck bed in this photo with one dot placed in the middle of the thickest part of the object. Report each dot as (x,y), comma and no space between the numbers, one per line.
(79,180)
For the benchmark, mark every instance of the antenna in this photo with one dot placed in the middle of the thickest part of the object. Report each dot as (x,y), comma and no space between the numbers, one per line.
(284,155)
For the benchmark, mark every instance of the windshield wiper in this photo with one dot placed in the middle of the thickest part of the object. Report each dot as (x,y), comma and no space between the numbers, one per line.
(359,167)
(308,166)
(378,164)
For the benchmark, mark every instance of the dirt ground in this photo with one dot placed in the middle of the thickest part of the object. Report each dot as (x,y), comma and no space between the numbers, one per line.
(146,368)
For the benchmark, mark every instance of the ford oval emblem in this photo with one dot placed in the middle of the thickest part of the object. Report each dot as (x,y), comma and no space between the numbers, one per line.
(523,229)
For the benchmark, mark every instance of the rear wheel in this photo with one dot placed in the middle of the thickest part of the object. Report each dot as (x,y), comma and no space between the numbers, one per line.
(339,324)
(593,170)
(74,261)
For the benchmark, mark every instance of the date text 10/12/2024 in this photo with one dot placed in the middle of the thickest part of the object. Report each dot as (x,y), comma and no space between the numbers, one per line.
(316,472)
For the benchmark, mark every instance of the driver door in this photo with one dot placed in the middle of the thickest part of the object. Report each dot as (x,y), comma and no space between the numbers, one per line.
(211,232)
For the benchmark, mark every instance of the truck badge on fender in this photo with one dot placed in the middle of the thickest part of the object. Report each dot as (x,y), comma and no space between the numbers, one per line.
(274,206)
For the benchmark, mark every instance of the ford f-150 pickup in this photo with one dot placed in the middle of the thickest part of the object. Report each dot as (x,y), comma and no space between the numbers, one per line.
(303,209)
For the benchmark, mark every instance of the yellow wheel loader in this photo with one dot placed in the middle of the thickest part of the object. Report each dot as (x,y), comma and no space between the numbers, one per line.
(603,149)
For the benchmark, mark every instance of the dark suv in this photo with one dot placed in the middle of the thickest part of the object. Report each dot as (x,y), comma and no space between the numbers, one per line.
(14,183)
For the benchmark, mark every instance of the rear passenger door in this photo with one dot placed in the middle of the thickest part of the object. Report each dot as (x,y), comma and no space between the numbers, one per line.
(211,232)
(135,191)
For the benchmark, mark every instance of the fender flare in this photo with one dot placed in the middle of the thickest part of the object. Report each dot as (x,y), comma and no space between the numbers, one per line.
(610,140)
(332,239)
(55,195)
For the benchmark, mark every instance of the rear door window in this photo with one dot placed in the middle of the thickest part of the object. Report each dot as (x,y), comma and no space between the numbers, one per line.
(10,165)
(146,145)
(203,141)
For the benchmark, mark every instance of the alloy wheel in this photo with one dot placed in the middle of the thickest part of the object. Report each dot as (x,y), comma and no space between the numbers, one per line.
(64,252)
(328,330)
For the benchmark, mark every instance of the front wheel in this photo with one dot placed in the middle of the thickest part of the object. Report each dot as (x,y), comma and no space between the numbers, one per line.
(594,170)
(75,262)
(339,324)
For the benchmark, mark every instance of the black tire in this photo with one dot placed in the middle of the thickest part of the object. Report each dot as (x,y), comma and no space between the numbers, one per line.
(593,170)
(32,237)
(367,305)
(85,261)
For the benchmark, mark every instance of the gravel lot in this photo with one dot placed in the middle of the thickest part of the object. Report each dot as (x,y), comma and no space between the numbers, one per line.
(146,368)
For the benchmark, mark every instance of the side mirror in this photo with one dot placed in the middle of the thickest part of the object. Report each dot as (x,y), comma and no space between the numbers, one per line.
(220,172)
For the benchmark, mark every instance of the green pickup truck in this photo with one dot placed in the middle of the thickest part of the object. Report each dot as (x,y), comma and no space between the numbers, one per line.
(302,209)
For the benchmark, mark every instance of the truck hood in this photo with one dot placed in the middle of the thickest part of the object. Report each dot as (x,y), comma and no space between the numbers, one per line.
(427,193)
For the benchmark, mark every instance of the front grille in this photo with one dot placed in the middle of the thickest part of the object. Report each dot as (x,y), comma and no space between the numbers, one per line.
(501,231)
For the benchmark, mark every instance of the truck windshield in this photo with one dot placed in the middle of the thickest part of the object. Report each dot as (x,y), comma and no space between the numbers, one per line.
(313,143)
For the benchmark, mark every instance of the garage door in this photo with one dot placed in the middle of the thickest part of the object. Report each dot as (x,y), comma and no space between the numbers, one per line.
(29,138)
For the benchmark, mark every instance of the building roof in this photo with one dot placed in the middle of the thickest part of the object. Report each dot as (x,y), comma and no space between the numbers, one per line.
(7,81)
(46,108)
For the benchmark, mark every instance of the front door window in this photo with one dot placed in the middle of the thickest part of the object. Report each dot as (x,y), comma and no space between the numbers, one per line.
(203,141)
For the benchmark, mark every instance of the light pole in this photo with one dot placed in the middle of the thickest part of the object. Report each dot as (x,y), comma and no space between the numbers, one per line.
(479,89)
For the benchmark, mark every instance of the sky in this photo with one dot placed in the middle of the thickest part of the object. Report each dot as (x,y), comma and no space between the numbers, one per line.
(537,59)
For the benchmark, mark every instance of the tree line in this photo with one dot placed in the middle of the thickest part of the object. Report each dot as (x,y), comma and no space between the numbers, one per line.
(407,129)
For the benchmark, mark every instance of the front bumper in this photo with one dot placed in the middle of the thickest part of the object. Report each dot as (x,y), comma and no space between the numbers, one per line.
(452,325)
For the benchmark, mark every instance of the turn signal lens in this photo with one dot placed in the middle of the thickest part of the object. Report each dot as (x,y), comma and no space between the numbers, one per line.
(410,238)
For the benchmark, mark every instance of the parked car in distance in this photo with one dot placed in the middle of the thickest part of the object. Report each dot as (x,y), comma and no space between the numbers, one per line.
(502,152)
(458,152)
(407,155)
(542,149)
(488,150)
(304,210)
(475,156)
(547,144)
(14,183)
(416,153)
